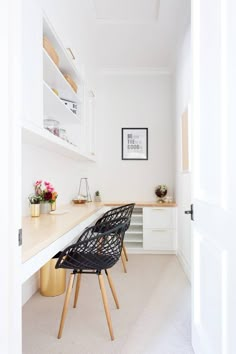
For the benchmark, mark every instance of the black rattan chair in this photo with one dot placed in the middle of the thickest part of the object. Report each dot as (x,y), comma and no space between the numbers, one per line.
(98,248)
(116,213)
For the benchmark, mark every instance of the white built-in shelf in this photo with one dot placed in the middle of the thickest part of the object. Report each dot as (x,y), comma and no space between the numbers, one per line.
(55,79)
(52,78)
(134,235)
(134,246)
(134,223)
(133,240)
(43,138)
(55,108)
(66,64)
(131,232)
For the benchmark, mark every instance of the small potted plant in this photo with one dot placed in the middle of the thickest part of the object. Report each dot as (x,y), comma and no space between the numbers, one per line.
(161,192)
(97,197)
(34,205)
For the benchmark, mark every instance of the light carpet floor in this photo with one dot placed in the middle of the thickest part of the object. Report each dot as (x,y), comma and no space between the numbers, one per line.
(154,314)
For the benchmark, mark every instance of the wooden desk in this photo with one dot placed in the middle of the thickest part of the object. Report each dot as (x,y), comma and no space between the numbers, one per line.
(46,235)
(142,204)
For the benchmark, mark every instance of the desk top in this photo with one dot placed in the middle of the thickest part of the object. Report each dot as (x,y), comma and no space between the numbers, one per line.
(40,232)
(142,204)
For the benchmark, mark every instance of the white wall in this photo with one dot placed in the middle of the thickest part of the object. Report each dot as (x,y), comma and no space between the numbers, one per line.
(135,99)
(183,180)
(124,100)
(62,172)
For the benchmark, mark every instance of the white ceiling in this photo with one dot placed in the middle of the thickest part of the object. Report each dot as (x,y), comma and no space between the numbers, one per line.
(121,33)
(130,11)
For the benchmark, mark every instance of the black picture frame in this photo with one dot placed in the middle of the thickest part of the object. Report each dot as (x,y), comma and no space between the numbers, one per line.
(134,143)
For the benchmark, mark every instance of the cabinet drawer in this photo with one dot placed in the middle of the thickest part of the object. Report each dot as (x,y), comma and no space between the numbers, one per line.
(159,218)
(162,240)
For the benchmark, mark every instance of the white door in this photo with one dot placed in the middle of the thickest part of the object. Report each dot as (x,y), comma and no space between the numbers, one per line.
(214,228)
(10,177)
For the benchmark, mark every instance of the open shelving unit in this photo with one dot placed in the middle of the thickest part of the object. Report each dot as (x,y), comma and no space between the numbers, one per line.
(134,235)
(53,79)
(41,100)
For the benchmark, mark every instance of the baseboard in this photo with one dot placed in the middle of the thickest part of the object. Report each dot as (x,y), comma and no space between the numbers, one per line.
(30,287)
(185,265)
(141,251)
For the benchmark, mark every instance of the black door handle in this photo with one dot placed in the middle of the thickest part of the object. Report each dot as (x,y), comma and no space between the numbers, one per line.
(190,212)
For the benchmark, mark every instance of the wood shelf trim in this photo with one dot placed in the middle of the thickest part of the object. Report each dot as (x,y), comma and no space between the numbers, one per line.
(55,79)
(65,63)
(139,204)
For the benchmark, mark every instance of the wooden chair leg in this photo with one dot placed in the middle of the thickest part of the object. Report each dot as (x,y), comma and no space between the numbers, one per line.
(123,261)
(112,289)
(105,303)
(66,303)
(77,289)
(125,252)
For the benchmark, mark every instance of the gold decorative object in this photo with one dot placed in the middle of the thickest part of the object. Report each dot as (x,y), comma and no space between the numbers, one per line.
(52,281)
(35,210)
(79,201)
(53,206)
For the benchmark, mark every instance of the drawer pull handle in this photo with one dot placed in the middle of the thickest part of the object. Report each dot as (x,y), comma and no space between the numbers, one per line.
(159,230)
(158,209)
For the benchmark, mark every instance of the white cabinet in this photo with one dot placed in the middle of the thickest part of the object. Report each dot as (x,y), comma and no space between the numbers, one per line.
(159,239)
(159,229)
(54,80)
(159,218)
(152,229)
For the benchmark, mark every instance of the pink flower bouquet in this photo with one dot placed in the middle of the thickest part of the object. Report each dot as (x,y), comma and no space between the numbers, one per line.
(45,191)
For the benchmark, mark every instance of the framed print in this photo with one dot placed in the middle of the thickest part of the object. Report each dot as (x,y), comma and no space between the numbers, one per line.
(134,143)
